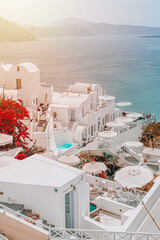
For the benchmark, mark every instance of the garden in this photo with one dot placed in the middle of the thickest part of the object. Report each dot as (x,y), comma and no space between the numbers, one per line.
(12,114)
(111,161)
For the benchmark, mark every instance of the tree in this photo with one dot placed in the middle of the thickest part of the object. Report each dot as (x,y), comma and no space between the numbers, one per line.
(11,116)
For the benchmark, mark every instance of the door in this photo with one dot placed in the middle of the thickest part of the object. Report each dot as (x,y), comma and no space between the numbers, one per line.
(18,83)
(73,114)
(69,210)
(91,130)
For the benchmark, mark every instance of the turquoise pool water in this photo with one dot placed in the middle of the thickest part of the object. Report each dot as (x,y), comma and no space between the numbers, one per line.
(92,207)
(64,147)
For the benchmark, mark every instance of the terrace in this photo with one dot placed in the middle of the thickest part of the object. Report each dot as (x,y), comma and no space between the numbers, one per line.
(109,198)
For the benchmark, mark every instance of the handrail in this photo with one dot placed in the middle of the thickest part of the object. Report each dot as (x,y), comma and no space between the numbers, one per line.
(55,233)
(16,213)
(3,237)
(99,234)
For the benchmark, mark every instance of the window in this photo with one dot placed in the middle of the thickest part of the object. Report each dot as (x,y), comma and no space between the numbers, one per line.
(18,84)
(18,69)
(88,131)
(85,133)
(106,118)
(103,121)
(95,127)
(91,106)
(82,112)
(91,130)
(99,121)
(37,101)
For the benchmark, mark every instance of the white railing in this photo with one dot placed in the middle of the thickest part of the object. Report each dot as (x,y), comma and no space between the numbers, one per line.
(100,235)
(2,237)
(66,233)
(22,216)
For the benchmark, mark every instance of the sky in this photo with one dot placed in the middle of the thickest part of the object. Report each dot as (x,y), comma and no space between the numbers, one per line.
(43,12)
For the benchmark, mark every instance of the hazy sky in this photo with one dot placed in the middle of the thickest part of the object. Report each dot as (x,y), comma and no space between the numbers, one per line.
(42,12)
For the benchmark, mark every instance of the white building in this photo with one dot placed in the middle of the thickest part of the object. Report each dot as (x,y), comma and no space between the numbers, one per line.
(82,110)
(22,81)
(49,188)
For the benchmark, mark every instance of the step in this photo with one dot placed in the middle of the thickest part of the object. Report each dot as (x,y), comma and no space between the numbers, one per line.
(15,207)
(26,211)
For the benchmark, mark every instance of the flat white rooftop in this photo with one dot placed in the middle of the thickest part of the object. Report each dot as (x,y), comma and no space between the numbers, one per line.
(71,101)
(5,139)
(39,170)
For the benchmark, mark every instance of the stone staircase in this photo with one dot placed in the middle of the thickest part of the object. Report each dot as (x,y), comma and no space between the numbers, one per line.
(20,211)
(70,126)
(4,237)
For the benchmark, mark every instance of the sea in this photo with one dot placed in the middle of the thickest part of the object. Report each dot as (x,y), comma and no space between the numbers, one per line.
(127,67)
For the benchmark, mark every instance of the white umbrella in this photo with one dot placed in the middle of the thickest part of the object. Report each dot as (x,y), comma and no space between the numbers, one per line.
(134,115)
(125,119)
(134,144)
(69,160)
(106,98)
(151,152)
(124,104)
(5,139)
(116,124)
(107,134)
(94,167)
(133,176)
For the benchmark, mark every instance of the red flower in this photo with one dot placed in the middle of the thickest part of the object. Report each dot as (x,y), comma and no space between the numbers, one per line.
(92,159)
(11,116)
(18,144)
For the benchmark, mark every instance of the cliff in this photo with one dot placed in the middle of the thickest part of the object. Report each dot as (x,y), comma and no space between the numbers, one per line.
(12,32)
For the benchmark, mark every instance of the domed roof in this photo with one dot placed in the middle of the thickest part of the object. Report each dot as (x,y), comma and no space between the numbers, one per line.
(30,67)
(7,67)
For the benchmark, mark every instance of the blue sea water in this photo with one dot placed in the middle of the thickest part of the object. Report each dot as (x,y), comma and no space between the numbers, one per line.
(128,67)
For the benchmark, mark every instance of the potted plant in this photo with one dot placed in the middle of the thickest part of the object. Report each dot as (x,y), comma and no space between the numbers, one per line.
(84,141)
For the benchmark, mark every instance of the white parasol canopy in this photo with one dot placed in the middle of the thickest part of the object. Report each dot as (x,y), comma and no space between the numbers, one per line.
(124,104)
(125,119)
(115,124)
(134,144)
(134,115)
(69,160)
(94,167)
(151,151)
(106,98)
(107,134)
(133,176)
(5,139)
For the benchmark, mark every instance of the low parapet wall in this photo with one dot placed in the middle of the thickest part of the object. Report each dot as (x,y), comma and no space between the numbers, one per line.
(18,229)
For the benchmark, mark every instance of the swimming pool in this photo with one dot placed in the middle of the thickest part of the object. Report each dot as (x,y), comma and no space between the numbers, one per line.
(92,207)
(64,147)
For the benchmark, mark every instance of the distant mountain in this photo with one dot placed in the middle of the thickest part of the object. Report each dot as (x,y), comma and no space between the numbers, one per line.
(80,27)
(12,32)
(151,36)
(58,31)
